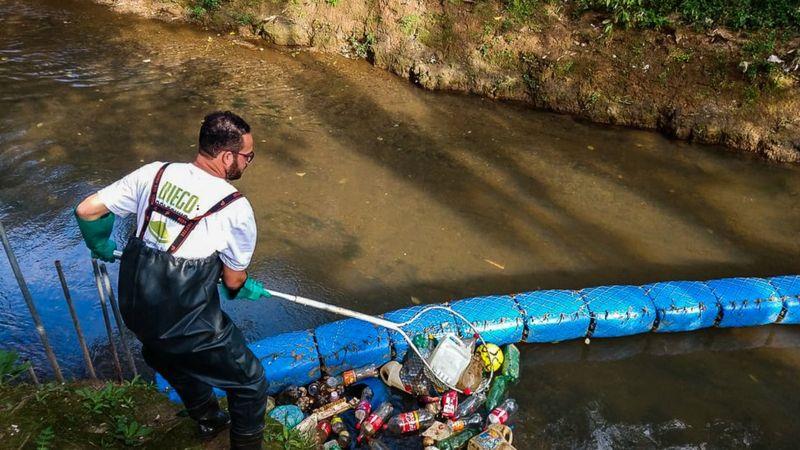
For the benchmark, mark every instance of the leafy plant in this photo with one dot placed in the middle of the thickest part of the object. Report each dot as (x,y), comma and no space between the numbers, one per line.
(756,52)
(129,431)
(409,24)
(201,7)
(103,401)
(332,2)
(9,369)
(45,438)
(363,47)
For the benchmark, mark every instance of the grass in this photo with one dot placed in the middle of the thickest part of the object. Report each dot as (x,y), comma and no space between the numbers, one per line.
(736,14)
(79,415)
(409,24)
(200,8)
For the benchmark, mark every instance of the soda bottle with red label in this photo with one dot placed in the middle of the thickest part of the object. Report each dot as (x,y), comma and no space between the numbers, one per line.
(364,406)
(449,404)
(410,422)
(349,377)
(374,422)
(503,412)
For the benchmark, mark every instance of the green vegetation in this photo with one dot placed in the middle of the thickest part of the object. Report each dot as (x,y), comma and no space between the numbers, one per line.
(81,415)
(521,10)
(332,2)
(755,53)
(200,8)
(363,47)
(9,368)
(409,24)
(737,14)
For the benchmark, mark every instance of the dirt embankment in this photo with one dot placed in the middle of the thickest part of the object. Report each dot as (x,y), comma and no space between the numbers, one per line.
(690,84)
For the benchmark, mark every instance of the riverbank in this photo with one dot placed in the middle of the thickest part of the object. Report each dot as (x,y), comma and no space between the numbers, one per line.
(86,414)
(706,84)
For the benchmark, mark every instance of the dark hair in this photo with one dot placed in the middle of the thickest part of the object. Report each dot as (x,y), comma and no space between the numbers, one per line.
(222,130)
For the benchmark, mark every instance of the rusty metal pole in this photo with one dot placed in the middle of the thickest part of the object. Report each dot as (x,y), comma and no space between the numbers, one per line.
(123,331)
(84,348)
(104,309)
(26,294)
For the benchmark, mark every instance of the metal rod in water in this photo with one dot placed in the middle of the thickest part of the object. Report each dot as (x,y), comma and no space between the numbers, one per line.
(106,320)
(123,330)
(84,348)
(26,294)
(32,374)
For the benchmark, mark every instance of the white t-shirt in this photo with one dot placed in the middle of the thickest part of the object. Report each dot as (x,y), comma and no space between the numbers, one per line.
(190,191)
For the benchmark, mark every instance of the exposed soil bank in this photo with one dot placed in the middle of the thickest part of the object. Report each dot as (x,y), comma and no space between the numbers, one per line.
(687,84)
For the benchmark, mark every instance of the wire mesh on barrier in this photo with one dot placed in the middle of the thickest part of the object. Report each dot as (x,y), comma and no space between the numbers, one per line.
(619,310)
(351,343)
(682,305)
(746,301)
(555,315)
(788,288)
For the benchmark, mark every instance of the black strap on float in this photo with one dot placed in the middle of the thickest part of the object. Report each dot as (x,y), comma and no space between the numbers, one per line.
(188,224)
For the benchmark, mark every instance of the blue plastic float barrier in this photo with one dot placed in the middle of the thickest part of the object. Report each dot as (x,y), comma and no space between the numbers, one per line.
(682,305)
(745,302)
(299,357)
(496,317)
(435,322)
(619,310)
(351,343)
(788,289)
(552,316)
(288,358)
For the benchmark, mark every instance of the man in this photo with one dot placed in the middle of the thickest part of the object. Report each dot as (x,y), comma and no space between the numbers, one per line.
(192,227)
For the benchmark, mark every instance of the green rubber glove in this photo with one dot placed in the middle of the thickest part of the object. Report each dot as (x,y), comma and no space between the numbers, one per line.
(97,235)
(251,290)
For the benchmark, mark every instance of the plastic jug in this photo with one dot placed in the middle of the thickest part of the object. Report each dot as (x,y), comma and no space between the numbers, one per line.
(450,358)
(496,437)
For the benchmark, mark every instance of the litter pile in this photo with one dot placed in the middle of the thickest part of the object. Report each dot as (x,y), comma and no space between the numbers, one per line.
(377,407)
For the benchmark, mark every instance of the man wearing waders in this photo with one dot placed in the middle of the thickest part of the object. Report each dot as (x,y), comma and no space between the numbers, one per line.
(192,228)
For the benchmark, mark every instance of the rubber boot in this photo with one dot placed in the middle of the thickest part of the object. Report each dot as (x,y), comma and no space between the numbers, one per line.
(213,423)
(247,441)
(211,420)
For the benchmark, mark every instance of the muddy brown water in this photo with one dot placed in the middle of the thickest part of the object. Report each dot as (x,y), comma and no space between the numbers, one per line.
(376,195)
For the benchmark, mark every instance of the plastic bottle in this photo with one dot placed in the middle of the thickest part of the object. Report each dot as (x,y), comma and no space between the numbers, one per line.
(349,377)
(337,424)
(315,389)
(510,367)
(364,406)
(457,441)
(470,405)
(332,445)
(502,413)
(449,404)
(323,431)
(474,420)
(473,374)
(410,422)
(497,391)
(344,439)
(374,422)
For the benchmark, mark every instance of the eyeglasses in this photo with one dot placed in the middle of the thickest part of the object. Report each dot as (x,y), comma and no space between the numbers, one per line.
(247,156)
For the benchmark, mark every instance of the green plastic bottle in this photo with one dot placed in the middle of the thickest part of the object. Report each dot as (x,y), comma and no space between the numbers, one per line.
(510,367)
(457,441)
(497,391)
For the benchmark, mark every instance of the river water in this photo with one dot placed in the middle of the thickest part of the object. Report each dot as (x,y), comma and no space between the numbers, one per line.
(376,195)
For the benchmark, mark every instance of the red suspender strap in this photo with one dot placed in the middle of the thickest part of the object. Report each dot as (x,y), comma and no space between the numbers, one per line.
(188,224)
(151,200)
(189,227)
